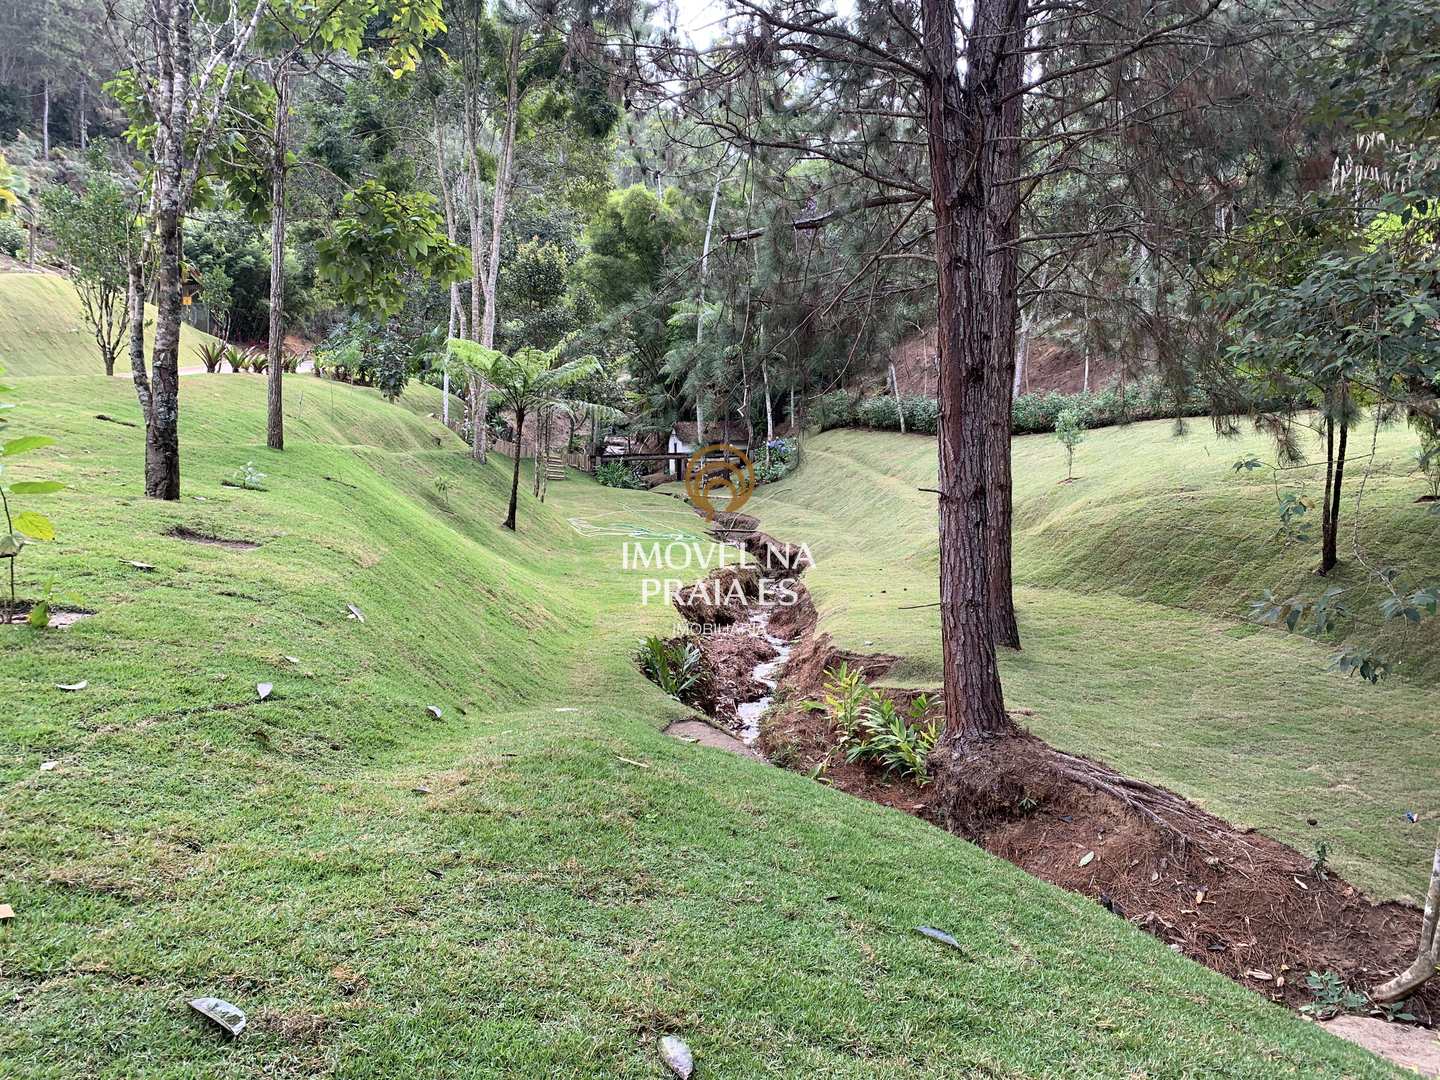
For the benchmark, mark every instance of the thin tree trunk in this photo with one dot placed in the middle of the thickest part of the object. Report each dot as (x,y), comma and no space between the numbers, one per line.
(1428,955)
(958,123)
(899,405)
(83,119)
(700,308)
(135,300)
(502,185)
(45,118)
(162,431)
(447,202)
(769,407)
(1334,479)
(275,423)
(478,419)
(515,476)
(1327,551)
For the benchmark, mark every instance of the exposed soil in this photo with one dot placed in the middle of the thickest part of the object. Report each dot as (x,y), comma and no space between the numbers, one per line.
(1051,366)
(1238,902)
(60,616)
(707,734)
(181,532)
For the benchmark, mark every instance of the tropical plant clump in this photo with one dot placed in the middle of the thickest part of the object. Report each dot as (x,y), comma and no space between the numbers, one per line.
(870,727)
(674,666)
(617,474)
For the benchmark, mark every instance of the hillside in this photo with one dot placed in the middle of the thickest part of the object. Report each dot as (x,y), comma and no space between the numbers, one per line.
(539,882)
(1132,587)
(43,329)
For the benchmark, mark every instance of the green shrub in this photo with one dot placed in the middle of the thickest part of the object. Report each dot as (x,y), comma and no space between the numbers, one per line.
(12,237)
(674,666)
(898,744)
(833,410)
(1070,430)
(617,474)
(775,460)
(869,726)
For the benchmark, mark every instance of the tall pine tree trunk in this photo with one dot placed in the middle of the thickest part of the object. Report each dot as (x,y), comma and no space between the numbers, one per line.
(959,121)
(275,423)
(1000,169)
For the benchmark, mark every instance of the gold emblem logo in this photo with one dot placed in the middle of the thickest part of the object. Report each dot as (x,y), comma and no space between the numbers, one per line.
(715,471)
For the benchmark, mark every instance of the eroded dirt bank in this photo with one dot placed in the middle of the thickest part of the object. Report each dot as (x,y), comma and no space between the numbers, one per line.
(1238,902)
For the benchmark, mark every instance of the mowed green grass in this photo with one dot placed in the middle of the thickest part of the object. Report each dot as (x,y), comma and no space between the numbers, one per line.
(43,330)
(544,906)
(1133,586)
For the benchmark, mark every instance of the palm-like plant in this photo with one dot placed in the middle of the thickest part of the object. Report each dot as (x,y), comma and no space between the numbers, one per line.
(528,382)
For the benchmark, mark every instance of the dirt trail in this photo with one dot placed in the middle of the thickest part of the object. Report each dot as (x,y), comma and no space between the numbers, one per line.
(1232,899)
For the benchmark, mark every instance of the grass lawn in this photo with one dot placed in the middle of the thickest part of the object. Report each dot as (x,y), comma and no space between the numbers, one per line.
(43,330)
(1132,588)
(498,892)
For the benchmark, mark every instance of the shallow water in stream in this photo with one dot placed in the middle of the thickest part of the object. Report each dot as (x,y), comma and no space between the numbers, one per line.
(767,673)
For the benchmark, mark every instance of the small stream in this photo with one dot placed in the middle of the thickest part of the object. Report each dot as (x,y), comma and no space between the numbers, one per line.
(768,673)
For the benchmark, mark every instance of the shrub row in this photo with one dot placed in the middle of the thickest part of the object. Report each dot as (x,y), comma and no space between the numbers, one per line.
(1029,414)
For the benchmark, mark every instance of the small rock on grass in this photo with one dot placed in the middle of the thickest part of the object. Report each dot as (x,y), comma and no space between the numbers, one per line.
(355,613)
(1087,858)
(434,710)
(229,1017)
(938,935)
(677,1056)
(6,912)
(49,766)
(264,690)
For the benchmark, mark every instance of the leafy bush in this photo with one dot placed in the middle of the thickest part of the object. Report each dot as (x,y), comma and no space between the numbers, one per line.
(1427,461)
(879,412)
(674,666)
(833,410)
(289,362)
(1070,430)
(870,727)
(617,474)
(12,236)
(775,460)
(898,744)
(259,361)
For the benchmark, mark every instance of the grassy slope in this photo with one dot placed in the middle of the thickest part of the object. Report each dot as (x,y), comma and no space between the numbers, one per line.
(43,330)
(1132,585)
(547,908)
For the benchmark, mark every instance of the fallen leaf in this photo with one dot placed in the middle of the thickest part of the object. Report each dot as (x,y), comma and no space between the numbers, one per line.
(677,1057)
(6,912)
(567,709)
(71,685)
(355,613)
(938,935)
(147,567)
(420,789)
(1261,976)
(1087,858)
(293,659)
(49,766)
(434,710)
(1199,896)
(1301,884)
(228,1016)
(263,689)
(632,761)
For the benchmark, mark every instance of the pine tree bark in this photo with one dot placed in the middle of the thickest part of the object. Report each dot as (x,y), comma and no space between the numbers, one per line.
(959,121)
(275,422)
(1000,169)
